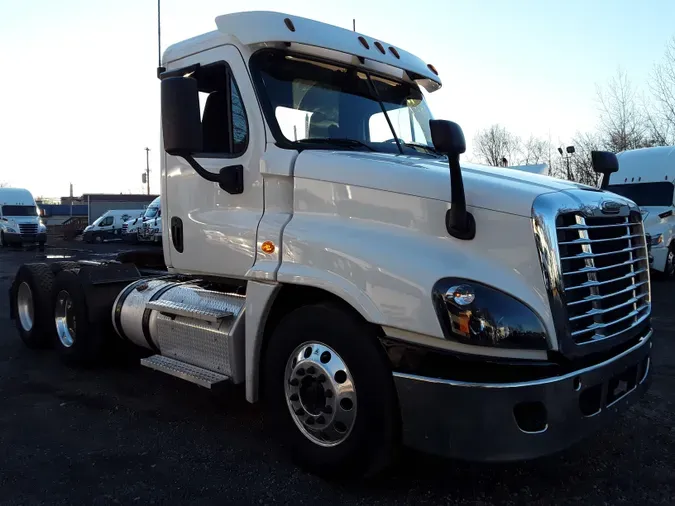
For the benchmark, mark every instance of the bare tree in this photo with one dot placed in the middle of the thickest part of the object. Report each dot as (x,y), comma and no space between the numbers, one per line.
(580,163)
(622,122)
(661,116)
(3,184)
(535,150)
(494,144)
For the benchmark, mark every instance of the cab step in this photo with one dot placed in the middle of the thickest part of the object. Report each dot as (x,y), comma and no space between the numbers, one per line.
(171,308)
(185,371)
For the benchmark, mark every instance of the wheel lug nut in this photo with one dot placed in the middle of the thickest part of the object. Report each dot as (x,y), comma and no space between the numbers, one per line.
(311,370)
(295,397)
(300,372)
(327,409)
(328,394)
(321,378)
(294,382)
(321,419)
(299,411)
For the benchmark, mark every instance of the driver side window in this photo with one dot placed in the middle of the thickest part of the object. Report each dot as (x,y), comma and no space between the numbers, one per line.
(106,222)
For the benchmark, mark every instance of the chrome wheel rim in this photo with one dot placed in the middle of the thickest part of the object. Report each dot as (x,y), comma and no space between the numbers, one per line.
(320,394)
(24,306)
(64,316)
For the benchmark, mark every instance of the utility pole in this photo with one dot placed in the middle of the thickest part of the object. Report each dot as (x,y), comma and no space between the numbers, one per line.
(147,169)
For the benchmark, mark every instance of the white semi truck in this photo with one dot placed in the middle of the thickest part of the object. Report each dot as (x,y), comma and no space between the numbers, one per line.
(145,228)
(326,249)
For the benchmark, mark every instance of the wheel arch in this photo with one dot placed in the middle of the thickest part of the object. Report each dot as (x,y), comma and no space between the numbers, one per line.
(264,315)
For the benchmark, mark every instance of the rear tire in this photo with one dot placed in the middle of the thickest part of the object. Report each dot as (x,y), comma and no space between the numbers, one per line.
(370,433)
(32,304)
(79,342)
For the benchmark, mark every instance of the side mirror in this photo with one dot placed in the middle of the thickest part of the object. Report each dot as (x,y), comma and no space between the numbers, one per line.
(605,163)
(181,122)
(447,136)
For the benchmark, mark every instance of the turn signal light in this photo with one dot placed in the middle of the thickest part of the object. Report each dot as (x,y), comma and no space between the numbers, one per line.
(267,247)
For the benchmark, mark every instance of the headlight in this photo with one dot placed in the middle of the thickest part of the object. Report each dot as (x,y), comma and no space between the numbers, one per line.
(473,313)
(657,239)
(42,227)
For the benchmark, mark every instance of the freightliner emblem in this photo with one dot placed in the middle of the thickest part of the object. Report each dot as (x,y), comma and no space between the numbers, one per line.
(610,207)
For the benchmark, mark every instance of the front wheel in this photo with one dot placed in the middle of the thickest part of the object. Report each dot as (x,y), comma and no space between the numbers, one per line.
(329,385)
(669,270)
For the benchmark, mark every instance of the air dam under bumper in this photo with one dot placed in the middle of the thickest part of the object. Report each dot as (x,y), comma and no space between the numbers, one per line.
(15,238)
(495,422)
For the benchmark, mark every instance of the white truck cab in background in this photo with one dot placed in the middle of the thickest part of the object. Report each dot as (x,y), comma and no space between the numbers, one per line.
(647,177)
(327,249)
(147,227)
(19,219)
(109,225)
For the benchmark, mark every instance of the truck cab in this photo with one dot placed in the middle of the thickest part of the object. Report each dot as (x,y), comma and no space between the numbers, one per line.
(20,221)
(647,177)
(147,227)
(328,249)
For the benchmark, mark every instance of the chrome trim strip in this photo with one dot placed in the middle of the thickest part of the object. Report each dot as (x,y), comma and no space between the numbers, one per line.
(596,311)
(591,298)
(600,337)
(545,381)
(584,254)
(586,270)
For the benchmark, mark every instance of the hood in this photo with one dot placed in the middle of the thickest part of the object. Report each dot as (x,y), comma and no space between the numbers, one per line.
(499,189)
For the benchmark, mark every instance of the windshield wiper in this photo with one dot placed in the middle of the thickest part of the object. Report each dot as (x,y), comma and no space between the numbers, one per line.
(431,149)
(338,142)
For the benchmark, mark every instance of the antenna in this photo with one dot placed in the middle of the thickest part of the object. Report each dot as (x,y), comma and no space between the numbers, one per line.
(160,69)
(354,24)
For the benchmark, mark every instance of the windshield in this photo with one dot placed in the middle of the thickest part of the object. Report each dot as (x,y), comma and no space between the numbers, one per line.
(19,211)
(151,212)
(646,194)
(313,103)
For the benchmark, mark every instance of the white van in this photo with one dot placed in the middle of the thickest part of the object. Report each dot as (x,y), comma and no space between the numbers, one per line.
(647,177)
(19,219)
(146,228)
(109,225)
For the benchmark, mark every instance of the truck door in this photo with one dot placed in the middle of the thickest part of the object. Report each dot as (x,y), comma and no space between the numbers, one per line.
(105,228)
(207,229)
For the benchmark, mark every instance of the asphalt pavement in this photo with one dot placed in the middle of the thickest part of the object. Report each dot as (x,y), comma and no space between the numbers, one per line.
(125,434)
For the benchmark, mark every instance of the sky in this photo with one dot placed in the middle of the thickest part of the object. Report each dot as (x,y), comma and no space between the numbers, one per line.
(79,98)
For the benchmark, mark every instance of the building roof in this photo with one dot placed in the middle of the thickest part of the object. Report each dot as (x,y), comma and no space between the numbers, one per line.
(117,197)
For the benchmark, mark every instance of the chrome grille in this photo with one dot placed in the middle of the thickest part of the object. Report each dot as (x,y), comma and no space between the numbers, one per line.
(605,274)
(28,228)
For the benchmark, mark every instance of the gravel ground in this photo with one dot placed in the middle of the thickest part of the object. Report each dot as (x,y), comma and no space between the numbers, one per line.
(128,435)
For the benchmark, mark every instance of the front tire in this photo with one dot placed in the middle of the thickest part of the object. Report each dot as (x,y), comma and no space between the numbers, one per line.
(329,385)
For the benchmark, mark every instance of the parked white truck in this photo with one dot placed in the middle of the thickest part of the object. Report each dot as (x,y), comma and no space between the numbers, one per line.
(146,228)
(20,221)
(647,177)
(326,249)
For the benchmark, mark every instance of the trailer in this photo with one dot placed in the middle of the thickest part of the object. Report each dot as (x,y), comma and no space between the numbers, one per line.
(327,249)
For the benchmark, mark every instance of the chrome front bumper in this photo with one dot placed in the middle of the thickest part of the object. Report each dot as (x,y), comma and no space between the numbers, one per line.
(524,420)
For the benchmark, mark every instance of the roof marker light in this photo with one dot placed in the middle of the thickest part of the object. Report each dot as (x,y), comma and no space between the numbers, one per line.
(380,47)
(394,52)
(289,24)
(364,42)
(432,68)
